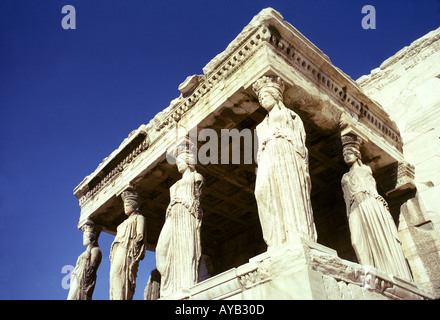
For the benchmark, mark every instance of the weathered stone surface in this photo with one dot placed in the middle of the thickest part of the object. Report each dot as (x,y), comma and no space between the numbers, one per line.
(297,271)
(407,85)
(190,84)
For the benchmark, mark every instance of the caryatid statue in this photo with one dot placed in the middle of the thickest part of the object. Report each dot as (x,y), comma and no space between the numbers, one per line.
(83,277)
(374,234)
(282,187)
(128,249)
(178,249)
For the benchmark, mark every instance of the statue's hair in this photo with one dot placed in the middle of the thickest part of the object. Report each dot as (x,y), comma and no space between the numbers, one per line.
(268,81)
(130,194)
(93,229)
(188,158)
(275,92)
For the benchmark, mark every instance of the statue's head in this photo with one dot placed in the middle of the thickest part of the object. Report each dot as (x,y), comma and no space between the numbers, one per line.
(90,232)
(351,149)
(185,157)
(130,197)
(269,90)
(185,161)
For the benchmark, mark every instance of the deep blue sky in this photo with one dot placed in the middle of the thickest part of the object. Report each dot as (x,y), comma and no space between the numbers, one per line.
(69,97)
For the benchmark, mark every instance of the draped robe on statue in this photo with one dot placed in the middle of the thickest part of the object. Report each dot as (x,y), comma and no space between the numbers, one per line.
(83,278)
(127,250)
(282,188)
(374,234)
(178,249)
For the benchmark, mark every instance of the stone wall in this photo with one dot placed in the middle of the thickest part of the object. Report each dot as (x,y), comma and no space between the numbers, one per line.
(407,85)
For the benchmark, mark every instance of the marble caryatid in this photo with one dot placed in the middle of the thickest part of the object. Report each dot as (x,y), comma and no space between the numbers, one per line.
(374,234)
(127,249)
(83,278)
(152,289)
(178,249)
(282,187)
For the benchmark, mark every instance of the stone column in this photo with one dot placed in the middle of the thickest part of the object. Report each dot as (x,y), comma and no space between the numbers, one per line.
(127,249)
(152,289)
(374,235)
(421,244)
(283,185)
(178,249)
(83,278)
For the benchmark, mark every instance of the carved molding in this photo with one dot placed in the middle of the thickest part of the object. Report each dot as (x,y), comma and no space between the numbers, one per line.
(112,170)
(255,277)
(372,281)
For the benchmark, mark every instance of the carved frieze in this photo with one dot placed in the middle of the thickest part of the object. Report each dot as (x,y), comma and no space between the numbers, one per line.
(255,277)
(374,281)
(111,170)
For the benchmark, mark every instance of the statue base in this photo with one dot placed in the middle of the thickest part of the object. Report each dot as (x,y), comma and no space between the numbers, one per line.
(304,270)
